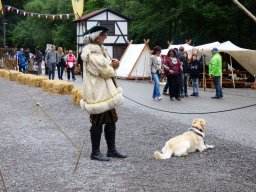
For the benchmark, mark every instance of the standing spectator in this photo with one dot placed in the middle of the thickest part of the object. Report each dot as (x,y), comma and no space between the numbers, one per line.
(19,56)
(183,56)
(51,60)
(27,55)
(173,70)
(166,86)
(45,65)
(215,71)
(80,62)
(70,63)
(61,63)
(101,93)
(23,62)
(194,71)
(156,71)
(38,60)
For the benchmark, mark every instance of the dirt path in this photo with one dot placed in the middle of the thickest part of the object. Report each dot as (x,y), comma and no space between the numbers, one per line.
(35,156)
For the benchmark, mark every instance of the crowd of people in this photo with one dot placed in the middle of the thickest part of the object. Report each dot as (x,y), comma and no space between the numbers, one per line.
(52,59)
(178,68)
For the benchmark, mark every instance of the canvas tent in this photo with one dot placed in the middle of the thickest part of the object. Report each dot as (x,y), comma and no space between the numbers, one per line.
(245,57)
(186,46)
(134,63)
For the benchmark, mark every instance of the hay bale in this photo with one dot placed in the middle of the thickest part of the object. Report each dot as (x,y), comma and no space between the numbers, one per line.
(14,75)
(76,95)
(36,81)
(7,75)
(26,79)
(2,71)
(20,77)
(47,85)
(62,87)
(68,87)
(58,89)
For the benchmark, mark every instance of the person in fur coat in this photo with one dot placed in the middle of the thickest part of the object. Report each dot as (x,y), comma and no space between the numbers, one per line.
(101,94)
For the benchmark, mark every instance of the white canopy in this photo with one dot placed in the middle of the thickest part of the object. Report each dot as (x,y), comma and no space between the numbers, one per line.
(245,57)
(134,63)
(186,46)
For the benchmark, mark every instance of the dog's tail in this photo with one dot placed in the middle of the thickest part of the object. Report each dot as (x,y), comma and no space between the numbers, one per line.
(159,155)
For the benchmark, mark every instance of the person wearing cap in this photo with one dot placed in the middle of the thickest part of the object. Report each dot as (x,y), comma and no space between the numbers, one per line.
(101,94)
(215,71)
(156,71)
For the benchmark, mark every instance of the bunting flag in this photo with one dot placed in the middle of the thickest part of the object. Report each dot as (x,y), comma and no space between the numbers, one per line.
(1,8)
(78,6)
(11,9)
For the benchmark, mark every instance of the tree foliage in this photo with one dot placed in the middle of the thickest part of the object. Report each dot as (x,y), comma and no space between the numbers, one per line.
(203,21)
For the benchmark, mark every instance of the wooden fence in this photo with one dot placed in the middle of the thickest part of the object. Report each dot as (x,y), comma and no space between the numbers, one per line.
(8,58)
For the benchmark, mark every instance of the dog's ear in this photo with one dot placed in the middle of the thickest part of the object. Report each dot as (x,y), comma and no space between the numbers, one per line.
(193,122)
(203,123)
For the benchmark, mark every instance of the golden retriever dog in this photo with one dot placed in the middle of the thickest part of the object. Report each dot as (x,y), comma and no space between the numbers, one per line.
(188,142)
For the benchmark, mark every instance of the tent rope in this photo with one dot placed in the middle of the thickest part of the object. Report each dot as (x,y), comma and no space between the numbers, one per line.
(189,113)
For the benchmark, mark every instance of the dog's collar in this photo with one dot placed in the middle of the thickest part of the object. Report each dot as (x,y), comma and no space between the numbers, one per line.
(196,131)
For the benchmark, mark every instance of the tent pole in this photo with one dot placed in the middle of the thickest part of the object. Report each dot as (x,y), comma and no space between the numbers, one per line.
(232,71)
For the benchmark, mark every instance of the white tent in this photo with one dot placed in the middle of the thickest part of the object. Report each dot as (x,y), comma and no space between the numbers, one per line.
(134,63)
(245,57)
(186,46)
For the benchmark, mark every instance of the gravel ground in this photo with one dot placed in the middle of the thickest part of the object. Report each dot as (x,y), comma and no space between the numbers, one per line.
(35,156)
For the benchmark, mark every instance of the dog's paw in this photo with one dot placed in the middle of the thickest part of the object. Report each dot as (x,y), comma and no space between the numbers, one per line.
(210,146)
(157,155)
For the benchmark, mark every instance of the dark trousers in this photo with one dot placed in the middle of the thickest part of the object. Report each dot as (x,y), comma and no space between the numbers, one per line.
(166,87)
(109,118)
(60,71)
(72,72)
(184,84)
(174,85)
(51,70)
(216,81)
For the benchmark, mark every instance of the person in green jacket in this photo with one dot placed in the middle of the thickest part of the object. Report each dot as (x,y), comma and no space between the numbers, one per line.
(215,71)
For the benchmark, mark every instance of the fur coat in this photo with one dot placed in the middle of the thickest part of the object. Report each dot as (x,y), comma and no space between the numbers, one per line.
(100,93)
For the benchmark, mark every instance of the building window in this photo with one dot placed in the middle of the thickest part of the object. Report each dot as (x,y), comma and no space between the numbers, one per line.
(110,25)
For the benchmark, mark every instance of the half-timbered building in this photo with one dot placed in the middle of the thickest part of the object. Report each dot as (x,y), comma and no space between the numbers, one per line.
(117,40)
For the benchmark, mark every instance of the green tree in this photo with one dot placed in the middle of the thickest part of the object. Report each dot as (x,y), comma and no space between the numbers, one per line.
(37,32)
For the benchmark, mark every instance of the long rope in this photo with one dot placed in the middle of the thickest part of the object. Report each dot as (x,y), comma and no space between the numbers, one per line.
(48,115)
(189,113)
(4,182)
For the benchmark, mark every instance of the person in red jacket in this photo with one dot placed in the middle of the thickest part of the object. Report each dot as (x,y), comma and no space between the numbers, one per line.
(70,63)
(173,70)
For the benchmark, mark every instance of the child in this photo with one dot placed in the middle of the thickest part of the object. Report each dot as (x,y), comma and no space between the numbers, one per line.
(194,71)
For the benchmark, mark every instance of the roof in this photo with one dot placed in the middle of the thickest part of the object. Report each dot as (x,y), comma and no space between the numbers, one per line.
(97,12)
